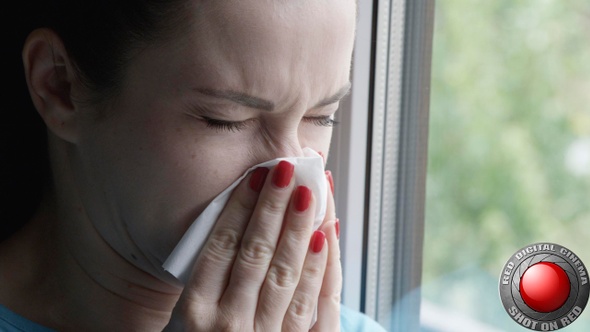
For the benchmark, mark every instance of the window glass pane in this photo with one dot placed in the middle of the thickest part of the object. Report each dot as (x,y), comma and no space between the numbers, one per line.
(509,150)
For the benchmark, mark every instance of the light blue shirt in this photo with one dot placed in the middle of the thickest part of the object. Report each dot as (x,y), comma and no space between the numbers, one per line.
(356,321)
(11,322)
(350,321)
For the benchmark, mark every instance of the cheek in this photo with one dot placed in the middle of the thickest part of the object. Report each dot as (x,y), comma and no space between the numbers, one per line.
(183,171)
(152,177)
(157,174)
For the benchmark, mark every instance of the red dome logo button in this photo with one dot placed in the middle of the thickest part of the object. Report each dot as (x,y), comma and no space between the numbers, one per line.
(544,287)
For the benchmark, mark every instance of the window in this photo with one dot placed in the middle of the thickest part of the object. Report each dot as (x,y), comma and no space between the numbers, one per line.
(379,161)
(509,151)
(469,139)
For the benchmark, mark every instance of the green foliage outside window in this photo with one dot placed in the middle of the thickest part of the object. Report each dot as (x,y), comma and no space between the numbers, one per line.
(509,144)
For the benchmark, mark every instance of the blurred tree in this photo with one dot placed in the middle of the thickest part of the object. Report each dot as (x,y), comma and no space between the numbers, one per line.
(509,149)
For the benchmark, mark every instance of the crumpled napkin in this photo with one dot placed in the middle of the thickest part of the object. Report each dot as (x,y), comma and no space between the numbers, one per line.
(309,171)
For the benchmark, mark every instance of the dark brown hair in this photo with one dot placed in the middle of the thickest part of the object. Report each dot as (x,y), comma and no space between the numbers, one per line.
(101,37)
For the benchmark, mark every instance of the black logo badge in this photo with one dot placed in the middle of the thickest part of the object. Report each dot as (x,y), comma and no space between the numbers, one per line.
(544,287)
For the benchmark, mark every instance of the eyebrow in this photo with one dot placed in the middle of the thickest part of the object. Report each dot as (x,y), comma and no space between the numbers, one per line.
(266,105)
(239,98)
(335,97)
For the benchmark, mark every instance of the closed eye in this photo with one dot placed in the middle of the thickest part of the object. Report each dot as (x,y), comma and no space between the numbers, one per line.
(323,121)
(234,126)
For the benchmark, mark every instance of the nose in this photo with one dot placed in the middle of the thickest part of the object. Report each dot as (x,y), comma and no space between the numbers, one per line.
(287,148)
(286,145)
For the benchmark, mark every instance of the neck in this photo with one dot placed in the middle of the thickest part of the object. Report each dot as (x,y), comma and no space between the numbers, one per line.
(81,283)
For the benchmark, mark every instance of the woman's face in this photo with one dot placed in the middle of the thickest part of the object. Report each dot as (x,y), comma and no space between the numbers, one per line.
(249,82)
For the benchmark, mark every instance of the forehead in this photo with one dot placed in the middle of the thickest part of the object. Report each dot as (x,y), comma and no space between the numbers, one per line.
(270,47)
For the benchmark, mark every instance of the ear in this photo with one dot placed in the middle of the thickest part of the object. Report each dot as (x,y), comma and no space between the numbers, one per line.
(50,74)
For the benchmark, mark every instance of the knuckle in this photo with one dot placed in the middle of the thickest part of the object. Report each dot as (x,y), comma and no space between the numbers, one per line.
(191,314)
(283,276)
(300,309)
(299,230)
(230,322)
(333,298)
(334,264)
(244,204)
(224,242)
(256,252)
(273,207)
(229,325)
(313,270)
(194,315)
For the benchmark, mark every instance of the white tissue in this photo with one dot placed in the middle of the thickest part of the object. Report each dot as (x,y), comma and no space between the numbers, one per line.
(309,171)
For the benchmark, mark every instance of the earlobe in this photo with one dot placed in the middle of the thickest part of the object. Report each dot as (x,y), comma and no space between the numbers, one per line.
(50,75)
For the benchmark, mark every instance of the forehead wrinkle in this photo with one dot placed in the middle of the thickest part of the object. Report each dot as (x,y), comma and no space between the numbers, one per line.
(287,53)
(240,98)
(238,36)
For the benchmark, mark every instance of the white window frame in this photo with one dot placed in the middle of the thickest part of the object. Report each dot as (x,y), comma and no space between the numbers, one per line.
(378,158)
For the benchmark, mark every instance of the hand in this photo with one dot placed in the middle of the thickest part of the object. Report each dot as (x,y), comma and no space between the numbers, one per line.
(330,293)
(259,270)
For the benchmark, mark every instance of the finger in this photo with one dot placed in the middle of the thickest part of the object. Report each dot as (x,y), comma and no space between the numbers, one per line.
(213,265)
(286,267)
(330,293)
(330,206)
(303,305)
(260,240)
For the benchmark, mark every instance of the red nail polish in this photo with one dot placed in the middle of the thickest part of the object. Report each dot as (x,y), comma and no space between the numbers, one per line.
(337,226)
(330,180)
(283,174)
(257,179)
(317,241)
(302,198)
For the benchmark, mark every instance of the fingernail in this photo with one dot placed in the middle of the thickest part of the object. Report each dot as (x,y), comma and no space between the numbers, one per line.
(337,226)
(257,179)
(302,198)
(317,241)
(330,180)
(283,174)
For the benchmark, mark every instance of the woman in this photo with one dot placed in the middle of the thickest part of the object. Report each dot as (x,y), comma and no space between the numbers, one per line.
(152,108)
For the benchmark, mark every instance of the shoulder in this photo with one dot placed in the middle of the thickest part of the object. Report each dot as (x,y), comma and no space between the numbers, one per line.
(12,322)
(356,321)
